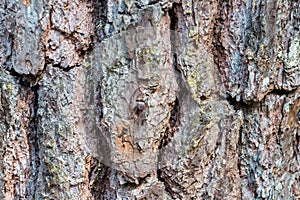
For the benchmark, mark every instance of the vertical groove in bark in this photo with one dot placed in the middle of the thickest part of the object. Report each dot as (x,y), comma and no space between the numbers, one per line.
(164,174)
(20,184)
(34,141)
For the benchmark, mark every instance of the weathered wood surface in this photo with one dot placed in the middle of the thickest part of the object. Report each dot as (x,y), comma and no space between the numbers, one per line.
(149,99)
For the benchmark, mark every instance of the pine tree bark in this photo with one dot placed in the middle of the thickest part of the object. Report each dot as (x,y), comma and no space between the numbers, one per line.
(169,99)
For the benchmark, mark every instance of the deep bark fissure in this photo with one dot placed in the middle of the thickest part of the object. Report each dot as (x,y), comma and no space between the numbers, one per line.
(243,107)
(29,84)
(169,184)
(99,180)
(240,153)
(99,171)
(282,92)
(280,132)
(296,152)
(174,121)
(33,137)
(218,48)
(28,93)
(237,105)
(26,80)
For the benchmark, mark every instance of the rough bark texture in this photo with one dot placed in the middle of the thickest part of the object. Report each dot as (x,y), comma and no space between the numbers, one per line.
(150,99)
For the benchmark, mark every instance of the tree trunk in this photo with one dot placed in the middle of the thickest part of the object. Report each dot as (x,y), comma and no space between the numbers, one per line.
(170,99)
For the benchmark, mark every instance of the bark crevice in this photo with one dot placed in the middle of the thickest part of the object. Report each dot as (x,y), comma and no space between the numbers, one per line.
(33,137)
(174,123)
(165,174)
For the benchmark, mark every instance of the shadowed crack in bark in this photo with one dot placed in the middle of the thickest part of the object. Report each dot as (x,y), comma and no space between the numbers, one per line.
(33,137)
(240,152)
(174,122)
(27,80)
(99,179)
(28,101)
(172,188)
(165,174)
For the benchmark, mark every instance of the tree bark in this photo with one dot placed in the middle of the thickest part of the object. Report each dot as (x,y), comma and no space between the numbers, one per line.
(150,99)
